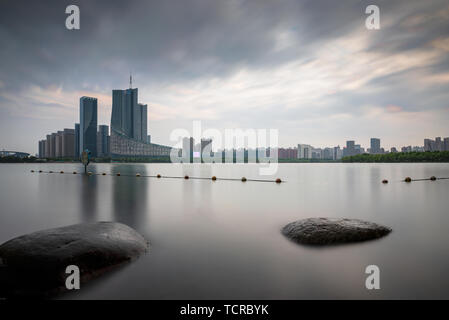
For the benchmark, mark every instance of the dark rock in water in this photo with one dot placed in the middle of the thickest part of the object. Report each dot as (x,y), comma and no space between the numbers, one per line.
(35,264)
(322,231)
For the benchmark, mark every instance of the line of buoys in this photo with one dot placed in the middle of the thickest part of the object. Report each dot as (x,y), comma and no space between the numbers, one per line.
(186,177)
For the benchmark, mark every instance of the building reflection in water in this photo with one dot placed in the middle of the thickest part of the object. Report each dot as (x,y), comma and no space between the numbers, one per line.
(89,193)
(129,194)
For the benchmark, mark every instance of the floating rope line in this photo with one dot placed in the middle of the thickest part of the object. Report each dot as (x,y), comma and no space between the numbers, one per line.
(408,179)
(159,176)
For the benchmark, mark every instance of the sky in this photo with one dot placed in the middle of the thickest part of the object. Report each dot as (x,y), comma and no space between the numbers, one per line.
(310,69)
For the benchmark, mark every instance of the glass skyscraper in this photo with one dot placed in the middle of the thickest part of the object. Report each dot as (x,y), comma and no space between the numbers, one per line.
(88,125)
(77,140)
(129,135)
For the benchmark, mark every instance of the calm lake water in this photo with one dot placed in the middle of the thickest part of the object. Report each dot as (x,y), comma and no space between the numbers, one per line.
(222,240)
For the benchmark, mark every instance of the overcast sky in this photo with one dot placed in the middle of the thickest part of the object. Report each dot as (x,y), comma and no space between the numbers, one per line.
(308,68)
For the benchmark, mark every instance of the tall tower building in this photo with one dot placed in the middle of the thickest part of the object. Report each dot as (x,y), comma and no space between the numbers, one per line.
(77,140)
(143,122)
(102,141)
(88,125)
(126,115)
(375,146)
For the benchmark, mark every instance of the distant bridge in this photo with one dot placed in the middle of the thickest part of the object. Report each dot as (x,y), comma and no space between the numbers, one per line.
(18,154)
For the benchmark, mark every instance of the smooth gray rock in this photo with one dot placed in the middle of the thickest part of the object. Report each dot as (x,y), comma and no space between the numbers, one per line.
(35,264)
(323,231)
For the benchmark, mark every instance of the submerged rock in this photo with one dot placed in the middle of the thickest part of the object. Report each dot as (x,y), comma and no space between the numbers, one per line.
(322,231)
(35,264)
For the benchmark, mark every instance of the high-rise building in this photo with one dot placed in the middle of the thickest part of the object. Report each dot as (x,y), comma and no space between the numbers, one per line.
(53,145)
(58,144)
(102,141)
(338,153)
(438,144)
(47,146)
(129,127)
(446,144)
(126,114)
(187,149)
(304,151)
(143,122)
(375,146)
(68,143)
(204,144)
(149,139)
(42,148)
(393,150)
(77,140)
(349,150)
(88,125)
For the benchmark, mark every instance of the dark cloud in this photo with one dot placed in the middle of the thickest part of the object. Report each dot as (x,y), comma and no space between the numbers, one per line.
(174,42)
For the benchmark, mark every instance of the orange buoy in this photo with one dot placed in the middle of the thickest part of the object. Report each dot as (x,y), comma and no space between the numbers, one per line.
(61,171)
(214,178)
(278,180)
(433,178)
(243,179)
(408,179)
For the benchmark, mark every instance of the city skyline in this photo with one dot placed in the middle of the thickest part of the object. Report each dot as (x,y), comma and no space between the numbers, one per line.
(315,72)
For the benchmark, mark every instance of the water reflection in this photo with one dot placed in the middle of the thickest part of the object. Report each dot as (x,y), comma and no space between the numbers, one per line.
(129,195)
(88,198)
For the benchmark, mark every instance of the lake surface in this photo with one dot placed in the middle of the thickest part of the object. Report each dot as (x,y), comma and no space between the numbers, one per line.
(222,240)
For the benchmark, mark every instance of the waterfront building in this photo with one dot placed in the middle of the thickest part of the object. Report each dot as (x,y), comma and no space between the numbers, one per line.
(102,141)
(304,151)
(77,140)
(88,125)
(129,128)
(68,143)
(58,144)
(375,146)
(187,149)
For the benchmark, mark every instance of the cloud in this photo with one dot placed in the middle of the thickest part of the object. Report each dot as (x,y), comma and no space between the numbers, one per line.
(309,68)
